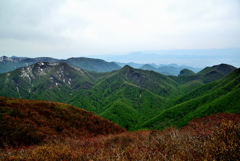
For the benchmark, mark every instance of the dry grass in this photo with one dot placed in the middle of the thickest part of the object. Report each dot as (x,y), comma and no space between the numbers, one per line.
(29,122)
(208,138)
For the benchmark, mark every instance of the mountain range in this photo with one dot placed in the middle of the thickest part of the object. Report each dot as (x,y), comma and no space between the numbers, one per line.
(170,69)
(218,96)
(132,98)
(10,63)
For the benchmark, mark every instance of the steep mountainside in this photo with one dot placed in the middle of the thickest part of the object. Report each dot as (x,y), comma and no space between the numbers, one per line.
(207,75)
(223,69)
(129,97)
(8,64)
(26,122)
(219,96)
(46,81)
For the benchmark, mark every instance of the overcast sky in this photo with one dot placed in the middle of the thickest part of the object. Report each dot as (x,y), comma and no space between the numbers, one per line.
(74,28)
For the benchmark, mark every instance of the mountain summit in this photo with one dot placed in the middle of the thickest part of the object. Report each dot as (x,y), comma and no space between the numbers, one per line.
(223,69)
(46,81)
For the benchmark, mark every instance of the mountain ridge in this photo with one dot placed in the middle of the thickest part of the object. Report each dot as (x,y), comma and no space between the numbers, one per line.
(44,78)
(218,96)
(8,63)
(113,95)
(171,69)
(186,72)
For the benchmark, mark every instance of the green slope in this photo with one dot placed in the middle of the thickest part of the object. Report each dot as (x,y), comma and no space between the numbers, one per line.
(47,81)
(219,96)
(133,98)
(224,69)
(186,72)
(142,101)
(122,114)
(126,77)
(191,81)
(143,91)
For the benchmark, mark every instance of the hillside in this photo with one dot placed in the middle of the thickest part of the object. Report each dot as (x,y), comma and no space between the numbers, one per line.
(215,97)
(186,72)
(214,137)
(46,81)
(130,97)
(8,64)
(224,69)
(27,122)
(209,74)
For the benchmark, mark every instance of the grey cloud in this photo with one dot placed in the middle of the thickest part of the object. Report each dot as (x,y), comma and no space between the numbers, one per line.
(54,28)
(21,19)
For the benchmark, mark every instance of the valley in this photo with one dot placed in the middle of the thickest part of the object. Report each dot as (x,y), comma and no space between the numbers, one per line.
(59,111)
(88,80)
(133,98)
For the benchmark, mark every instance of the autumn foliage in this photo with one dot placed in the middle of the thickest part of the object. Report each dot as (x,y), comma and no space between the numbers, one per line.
(28,122)
(215,137)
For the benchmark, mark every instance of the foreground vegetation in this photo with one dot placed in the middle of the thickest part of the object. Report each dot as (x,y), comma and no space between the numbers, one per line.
(29,122)
(215,137)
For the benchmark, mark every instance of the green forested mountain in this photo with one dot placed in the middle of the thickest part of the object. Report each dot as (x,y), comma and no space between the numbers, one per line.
(128,96)
(46,81)
(133,98)
(186,72)
(218,96)
(208,74)
(8,64)
(223,69)
(90,64)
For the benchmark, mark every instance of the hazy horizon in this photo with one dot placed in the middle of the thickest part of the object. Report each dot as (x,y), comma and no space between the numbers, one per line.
(200,58)
(197,33)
